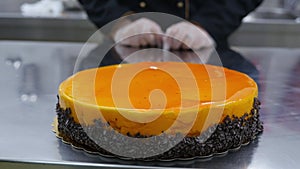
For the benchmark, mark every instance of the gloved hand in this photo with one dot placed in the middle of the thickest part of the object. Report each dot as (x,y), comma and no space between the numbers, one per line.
(187,35)
(141,32)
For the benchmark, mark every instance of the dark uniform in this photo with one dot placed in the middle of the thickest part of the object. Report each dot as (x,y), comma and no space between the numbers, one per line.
(218,17)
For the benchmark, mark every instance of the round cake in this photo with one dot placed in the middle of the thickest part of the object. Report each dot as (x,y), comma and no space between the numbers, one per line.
(197,110)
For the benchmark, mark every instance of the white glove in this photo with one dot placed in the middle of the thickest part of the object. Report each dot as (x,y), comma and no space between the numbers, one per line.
(141,32)
(186,35)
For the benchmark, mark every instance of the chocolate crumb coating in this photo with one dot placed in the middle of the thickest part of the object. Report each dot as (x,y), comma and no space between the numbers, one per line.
(231,133)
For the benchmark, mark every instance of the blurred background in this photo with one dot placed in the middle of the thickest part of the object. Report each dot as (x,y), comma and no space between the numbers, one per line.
(275,23)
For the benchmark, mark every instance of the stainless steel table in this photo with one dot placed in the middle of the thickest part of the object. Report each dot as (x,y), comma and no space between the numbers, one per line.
(31,72)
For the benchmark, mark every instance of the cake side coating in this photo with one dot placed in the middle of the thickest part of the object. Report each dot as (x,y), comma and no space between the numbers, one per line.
(231,133)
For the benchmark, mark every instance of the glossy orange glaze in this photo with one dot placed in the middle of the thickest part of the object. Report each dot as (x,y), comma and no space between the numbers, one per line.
(152,94)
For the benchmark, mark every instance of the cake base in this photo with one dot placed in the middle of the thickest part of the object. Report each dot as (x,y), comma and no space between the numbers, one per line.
(229,134)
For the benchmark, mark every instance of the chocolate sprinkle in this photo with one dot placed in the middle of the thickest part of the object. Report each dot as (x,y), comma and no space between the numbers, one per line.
(231,133)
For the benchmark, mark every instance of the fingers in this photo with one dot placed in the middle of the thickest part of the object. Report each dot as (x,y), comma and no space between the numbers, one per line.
(158,35)
(170,32)
(174,35)
(142,32)
(184,35)
(142,41)
(153,35)
(186,42)
(145,32)
(178,37)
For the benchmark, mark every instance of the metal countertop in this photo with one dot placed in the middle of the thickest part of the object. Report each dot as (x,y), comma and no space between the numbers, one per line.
(30,75)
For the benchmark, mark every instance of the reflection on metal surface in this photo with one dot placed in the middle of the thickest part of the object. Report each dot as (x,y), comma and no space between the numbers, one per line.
(30,97)
(289,4)
(291,97)
(160,56)
(119,54)
(29,83)
(28,136)
(16,62)
(273,13)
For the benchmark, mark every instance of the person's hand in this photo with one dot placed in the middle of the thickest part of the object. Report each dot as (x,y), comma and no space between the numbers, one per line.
(142,32)
(185,35)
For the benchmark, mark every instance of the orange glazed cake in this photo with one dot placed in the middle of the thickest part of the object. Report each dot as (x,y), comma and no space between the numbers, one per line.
(213,109)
